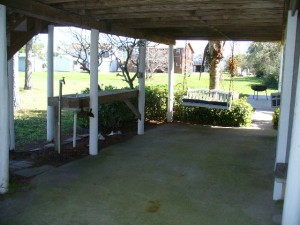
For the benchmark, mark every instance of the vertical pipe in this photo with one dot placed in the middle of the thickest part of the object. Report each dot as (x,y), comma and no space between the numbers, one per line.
(50,72)
(61,83)
(286,98)
(170,84)
(74,129)
(11,72)
(93,148)
(141,70)
(291,206)
(4,118)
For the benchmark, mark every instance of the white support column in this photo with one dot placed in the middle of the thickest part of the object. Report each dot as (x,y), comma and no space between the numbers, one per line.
(4,118)
(170,84)
(286,98)
(12,71)
(93,149)
(291,208)
(50,78)
(281,68)
(142,67)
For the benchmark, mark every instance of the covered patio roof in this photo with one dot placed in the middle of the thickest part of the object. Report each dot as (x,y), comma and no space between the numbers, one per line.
(161,21)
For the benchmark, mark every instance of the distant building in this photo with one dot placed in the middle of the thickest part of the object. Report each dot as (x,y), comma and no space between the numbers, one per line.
(65,63)
(38,64)
(183,59)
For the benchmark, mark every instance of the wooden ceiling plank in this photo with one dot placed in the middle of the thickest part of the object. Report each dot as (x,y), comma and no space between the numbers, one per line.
(104,4)
(48,13)
(184,7)
(56,1)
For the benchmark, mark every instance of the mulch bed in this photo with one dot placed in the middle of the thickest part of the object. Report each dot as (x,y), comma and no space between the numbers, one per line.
(49,156)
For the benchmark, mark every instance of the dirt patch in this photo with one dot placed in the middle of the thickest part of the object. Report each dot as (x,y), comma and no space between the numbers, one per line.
(40,154)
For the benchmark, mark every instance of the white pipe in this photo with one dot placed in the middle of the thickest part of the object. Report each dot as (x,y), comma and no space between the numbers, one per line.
(4,118)
(74,129)
(170,84)
(285,103)
(141,70)
(61,83)
(50,72)
(11,71)
(93,148)
(291,208)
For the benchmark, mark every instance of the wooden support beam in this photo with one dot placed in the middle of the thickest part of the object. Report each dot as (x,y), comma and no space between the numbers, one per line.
(19,39)
(45,12)
(294,5)
(77,101)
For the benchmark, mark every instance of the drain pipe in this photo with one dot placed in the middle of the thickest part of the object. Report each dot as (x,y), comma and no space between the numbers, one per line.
(61,82)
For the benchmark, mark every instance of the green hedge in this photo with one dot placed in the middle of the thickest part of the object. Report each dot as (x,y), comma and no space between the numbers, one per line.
(276,118)
(115,115)
(240,113)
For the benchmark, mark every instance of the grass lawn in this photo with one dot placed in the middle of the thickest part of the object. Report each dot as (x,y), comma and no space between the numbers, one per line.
(30,121)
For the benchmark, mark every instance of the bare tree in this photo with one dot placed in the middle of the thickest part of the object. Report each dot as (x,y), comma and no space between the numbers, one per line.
(157,60)
(16,92)
(80,48)
(28,66)
(129,47)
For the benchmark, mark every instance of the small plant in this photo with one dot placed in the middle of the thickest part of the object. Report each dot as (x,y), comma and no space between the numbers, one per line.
(276,118)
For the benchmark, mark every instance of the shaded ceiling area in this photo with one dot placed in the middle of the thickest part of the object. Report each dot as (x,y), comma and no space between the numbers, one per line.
(161,21)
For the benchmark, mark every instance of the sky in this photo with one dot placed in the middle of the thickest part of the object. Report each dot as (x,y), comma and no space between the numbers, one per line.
(60,36)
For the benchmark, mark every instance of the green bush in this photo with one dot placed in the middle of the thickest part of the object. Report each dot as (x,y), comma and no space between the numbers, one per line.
(276,118)
(114,115)
(111,116)
(156,102)
(240,114)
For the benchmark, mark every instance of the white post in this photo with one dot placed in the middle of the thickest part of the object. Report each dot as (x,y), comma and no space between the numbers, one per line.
(4,118)
(12,70)
(170,84)
(281,68)
(291,208)
(141,102)
(93,149)
(50,69)
(284,121)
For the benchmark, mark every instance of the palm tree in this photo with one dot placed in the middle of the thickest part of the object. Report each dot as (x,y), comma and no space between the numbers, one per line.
(216,54)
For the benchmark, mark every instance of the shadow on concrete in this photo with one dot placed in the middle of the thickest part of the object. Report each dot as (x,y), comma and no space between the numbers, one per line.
(174,174)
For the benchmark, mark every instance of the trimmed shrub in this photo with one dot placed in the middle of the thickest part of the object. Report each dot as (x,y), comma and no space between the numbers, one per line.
(276,118)
(114,115)
(240,114)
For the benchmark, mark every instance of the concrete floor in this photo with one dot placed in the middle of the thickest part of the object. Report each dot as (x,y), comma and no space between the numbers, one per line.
(174,174)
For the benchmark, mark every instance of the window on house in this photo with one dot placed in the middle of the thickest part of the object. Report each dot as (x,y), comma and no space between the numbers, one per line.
(178,51)
(105,54)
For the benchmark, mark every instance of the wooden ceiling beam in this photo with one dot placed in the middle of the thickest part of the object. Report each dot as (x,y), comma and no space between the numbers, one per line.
(199,24)
(185,7)
(104,4)
(56,1)
(47,13)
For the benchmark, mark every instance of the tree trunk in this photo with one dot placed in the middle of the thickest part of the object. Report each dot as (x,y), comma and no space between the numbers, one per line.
(214,75)
(216,54)
(16,94)
(28,65)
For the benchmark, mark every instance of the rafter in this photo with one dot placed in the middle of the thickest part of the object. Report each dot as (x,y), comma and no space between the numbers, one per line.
(48,13)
